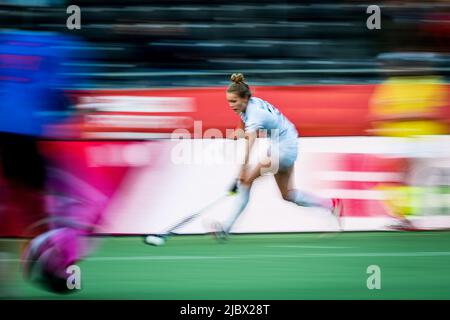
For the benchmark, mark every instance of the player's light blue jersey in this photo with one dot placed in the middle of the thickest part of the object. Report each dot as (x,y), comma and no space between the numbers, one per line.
(261,115)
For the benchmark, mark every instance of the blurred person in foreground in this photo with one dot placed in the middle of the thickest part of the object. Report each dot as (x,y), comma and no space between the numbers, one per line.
(411,105)
(32,100)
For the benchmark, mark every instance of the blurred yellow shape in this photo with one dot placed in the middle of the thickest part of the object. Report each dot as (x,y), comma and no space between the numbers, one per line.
(409,106)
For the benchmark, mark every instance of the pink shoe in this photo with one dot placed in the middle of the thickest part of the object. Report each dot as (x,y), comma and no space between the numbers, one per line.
(337,210)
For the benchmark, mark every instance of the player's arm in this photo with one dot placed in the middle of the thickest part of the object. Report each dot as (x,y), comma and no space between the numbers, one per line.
(250,138)
(256,121)
(238,132)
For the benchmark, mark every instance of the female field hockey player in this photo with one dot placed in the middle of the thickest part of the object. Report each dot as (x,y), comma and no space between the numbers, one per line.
(260,116)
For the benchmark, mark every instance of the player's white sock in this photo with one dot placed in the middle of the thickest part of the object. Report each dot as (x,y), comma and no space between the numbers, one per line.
(306,199)
(242,198)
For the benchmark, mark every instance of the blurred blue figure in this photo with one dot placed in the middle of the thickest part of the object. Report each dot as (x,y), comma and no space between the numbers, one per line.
(32,68)
(31,78)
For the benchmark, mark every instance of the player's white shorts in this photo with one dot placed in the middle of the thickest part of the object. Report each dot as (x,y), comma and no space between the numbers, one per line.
(285,152)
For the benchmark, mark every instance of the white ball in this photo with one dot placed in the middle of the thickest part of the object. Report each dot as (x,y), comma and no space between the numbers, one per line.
(154,240)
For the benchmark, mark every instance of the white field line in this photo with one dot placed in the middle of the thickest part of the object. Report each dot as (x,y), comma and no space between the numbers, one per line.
(264,256)
(308,247)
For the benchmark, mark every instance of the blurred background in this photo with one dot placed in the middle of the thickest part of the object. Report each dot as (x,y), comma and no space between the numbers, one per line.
(144,44)
(95,108)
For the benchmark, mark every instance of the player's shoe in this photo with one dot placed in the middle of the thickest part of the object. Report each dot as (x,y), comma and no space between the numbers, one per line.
(337,211)
(402,225)
(218,232)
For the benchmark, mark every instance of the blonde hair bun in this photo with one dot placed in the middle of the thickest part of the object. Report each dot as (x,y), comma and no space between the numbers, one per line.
(237,78)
